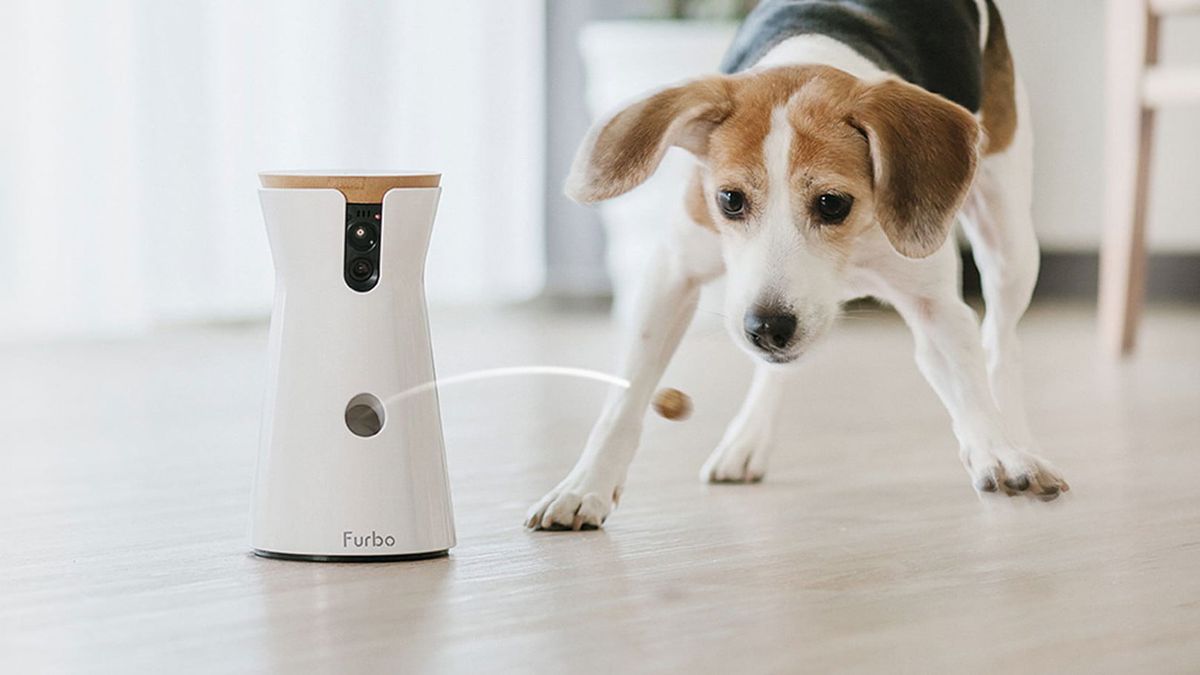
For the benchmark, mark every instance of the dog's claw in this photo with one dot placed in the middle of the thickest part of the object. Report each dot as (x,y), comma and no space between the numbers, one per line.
(986,485)
(1020,484)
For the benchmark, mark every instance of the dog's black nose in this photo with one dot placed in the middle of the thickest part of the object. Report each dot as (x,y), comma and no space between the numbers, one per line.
(769,331)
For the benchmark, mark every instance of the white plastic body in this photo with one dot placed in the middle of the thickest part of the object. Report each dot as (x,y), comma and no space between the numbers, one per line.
(319,488)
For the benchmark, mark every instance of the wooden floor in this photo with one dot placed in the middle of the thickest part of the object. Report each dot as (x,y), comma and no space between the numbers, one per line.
(127,468)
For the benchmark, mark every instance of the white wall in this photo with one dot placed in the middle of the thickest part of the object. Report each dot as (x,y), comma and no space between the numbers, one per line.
(1059,50)
(131,131)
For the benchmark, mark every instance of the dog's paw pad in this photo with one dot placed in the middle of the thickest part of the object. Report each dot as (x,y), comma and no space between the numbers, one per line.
(1015,473)
(739,462)
(571,507)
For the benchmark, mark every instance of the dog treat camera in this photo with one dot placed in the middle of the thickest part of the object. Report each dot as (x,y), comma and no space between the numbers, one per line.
(348,469)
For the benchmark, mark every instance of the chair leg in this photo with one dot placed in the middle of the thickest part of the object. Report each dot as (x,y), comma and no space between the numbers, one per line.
(1132,46)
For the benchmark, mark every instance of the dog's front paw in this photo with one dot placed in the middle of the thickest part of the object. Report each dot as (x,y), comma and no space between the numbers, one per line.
(737,460)
(1014,473)
(576,504)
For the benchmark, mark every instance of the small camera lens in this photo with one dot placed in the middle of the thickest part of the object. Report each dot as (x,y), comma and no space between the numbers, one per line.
(362,236)
(361,269)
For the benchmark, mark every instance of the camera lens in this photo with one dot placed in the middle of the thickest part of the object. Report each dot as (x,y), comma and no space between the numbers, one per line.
(361,269)
(362,236)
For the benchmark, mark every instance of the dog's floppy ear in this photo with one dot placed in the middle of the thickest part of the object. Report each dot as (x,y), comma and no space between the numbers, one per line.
(924,150)
(623,151)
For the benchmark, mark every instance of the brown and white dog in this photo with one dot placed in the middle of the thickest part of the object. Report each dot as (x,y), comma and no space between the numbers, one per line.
(833,158)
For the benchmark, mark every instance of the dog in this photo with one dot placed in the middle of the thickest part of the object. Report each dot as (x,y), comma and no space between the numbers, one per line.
(834,153)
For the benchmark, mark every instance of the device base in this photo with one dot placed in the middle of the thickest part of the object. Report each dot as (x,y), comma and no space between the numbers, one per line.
(304,557)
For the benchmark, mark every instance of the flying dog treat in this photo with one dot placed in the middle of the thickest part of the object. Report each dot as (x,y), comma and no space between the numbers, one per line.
(673,404)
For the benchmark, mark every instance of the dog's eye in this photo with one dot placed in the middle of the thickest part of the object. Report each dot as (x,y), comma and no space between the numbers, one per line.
(732,203)
(833,208)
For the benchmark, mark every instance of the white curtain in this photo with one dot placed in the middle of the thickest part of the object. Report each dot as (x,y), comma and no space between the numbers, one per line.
(131,132)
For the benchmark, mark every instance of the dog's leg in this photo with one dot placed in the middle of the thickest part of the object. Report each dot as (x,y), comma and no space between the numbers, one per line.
(668,298)
(998,220)
(950,355)
(742,455)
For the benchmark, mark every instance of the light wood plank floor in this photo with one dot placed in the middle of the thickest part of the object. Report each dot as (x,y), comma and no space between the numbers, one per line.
(127,468)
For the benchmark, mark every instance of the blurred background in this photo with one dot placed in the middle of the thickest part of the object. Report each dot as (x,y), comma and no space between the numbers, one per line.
(132,131)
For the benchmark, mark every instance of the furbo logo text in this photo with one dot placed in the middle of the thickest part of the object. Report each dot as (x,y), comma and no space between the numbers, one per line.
(372,540)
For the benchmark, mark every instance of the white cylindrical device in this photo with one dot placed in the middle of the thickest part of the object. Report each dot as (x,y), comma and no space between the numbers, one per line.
(348,468)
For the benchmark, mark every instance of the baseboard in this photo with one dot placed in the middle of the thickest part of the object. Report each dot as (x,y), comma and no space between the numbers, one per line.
(1170,276)
(1173,277)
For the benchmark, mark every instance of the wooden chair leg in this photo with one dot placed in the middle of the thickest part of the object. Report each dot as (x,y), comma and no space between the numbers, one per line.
(1132,47)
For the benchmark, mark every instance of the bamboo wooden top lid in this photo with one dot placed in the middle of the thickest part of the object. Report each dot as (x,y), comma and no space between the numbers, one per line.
(360,187)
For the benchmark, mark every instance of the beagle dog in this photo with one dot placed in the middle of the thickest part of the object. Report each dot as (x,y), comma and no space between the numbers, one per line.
(835,152)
